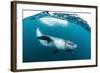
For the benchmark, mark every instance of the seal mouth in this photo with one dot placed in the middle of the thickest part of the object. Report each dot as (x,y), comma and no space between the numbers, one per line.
(70,45)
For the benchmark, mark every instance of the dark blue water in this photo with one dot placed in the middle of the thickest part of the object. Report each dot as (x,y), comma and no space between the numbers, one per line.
(33,51)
